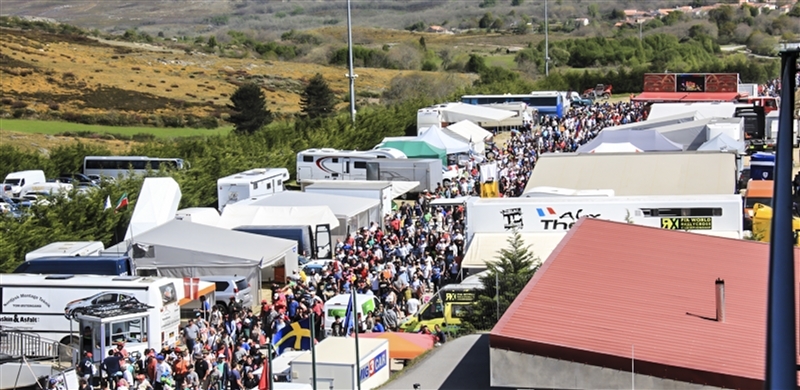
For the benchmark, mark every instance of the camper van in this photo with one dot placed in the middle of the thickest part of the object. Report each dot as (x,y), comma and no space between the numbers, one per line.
(47,305)
(72,249)
(446,308)
(337,306)
(18,183)
(250,184)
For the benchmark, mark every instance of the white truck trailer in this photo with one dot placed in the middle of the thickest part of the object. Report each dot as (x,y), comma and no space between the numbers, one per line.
(378,190)
(252,183)
(336,364)
(67,248)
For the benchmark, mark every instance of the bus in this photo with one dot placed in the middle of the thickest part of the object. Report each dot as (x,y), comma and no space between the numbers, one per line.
(547,103)
(115,166)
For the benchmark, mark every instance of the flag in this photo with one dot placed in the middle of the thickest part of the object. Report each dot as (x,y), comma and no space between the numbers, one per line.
(349,317)
(108,203)
(296,335)
(263,382)
(122,202)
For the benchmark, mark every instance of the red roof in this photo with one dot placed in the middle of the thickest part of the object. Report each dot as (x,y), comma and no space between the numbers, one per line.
(662,97)
(610,288)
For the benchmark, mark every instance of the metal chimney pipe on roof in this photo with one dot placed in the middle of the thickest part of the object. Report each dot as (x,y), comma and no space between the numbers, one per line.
(720,287)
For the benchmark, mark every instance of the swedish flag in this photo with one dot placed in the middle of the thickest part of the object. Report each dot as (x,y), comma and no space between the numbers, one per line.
(296,335)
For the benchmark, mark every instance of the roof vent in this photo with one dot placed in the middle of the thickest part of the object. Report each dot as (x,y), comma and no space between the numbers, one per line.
(720,287)
(257,171)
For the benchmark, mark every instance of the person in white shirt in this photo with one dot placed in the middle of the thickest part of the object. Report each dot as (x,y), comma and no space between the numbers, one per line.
(162,370)
(412,305)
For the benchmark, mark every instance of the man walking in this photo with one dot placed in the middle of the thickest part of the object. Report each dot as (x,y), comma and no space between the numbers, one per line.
(190,333)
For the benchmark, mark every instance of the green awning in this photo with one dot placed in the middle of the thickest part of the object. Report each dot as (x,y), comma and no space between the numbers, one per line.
(418,149)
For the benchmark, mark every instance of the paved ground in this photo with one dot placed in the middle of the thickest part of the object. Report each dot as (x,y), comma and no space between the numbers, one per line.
(462,364)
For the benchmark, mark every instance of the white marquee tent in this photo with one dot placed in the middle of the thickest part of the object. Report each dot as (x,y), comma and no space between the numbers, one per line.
(186,249)
(157,204)
(469,131)
(437,137)
(236,215)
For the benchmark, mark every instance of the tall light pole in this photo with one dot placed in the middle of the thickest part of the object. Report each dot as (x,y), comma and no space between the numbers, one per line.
(546,43)
(640,29)
(351,75)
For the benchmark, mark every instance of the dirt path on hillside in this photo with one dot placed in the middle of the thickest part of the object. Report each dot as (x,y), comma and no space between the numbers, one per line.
(137,45)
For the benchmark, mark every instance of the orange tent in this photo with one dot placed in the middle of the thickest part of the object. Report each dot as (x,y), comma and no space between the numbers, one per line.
(404,345)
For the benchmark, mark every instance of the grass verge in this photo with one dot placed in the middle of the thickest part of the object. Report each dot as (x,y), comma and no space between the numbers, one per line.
(54,127)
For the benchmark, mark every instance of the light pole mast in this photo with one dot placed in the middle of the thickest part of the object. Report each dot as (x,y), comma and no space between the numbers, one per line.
(546,43)
(351,75)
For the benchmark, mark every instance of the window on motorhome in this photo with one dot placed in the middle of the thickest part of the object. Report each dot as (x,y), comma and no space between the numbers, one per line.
(134,331)
(255,185)
(684,212)
(269,186)
(308,158)
(360,164)
(335,160)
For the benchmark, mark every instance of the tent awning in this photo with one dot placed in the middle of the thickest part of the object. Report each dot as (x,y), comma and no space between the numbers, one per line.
(437,137)
(417,149)
(405,346)
(236,215)
(645,140)
(486,247)
(341,206)
(456,112)
(470,131)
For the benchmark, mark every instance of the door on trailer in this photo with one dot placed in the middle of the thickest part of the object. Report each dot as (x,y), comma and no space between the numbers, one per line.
(373,171)
(322,238)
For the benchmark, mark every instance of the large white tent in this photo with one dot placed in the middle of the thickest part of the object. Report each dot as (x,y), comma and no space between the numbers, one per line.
(471,132)
(352,212)
(186,249)
(237,214)
(157,204)
(437,137)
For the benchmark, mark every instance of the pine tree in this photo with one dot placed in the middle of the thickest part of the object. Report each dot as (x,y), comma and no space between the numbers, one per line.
(317,100)
(509,273)
(249,107)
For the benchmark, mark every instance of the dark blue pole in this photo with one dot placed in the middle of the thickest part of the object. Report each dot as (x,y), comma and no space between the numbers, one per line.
(781,344)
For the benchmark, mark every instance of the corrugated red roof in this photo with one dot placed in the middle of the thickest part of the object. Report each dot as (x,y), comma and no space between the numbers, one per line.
(612,290)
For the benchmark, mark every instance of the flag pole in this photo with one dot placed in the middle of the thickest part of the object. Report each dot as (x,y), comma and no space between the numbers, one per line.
(355,330)
(269,365)
(313,351)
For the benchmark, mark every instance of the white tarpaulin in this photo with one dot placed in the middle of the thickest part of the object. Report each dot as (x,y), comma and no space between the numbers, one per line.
(456,112)
(437,137)
(157,204)
(616,147)
(202,215)
(486,246)
(185,249)
(399,188)
(236,215)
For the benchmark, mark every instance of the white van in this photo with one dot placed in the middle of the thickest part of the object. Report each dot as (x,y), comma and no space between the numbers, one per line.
(17,183)
(337,306)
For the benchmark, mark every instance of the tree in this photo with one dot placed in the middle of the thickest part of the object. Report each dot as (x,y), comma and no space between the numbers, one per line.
(516,3)
(212,41)
(317,100)
(249,107)
(475,64)
(593,10)
(512,270)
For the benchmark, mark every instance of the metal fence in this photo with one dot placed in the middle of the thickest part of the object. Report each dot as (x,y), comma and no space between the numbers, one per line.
(16,344)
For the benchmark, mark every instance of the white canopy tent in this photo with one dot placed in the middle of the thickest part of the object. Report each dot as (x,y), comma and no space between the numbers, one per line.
(157,204)
(437,137)
(456,112)
(185,249)
(616,147)
(486,247)
(202,215)
(237,214)
(351,212)
(469,131)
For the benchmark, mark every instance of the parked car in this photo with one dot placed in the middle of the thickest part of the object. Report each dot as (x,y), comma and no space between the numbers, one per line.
(231,286)
(104,297)
(315,266)
(80,178)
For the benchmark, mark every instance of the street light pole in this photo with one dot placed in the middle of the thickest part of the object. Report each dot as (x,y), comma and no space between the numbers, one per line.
(546,42)
(351,75)
(497,293)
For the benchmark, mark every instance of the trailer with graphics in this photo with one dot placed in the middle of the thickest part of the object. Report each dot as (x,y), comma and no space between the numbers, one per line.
(48,305)
(709,214)
(338,368)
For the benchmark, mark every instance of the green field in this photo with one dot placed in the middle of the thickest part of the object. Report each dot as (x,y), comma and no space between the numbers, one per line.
(502,60)
(53,127)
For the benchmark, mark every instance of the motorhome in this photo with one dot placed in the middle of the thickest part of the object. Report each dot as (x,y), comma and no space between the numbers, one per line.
(357,166)
(118,265)
(710,214)
(17,184)
(71,248)
(46,305)
(771,126)
(250,184)
(116,166)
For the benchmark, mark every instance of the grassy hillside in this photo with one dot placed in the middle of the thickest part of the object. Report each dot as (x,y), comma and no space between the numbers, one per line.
(72,74)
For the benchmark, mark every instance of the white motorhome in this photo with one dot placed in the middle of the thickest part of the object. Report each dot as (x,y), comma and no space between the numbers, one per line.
(69,248)
(18,183)
(332,164)
(45,304)
(771,127)
(710,214)
(250,184)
